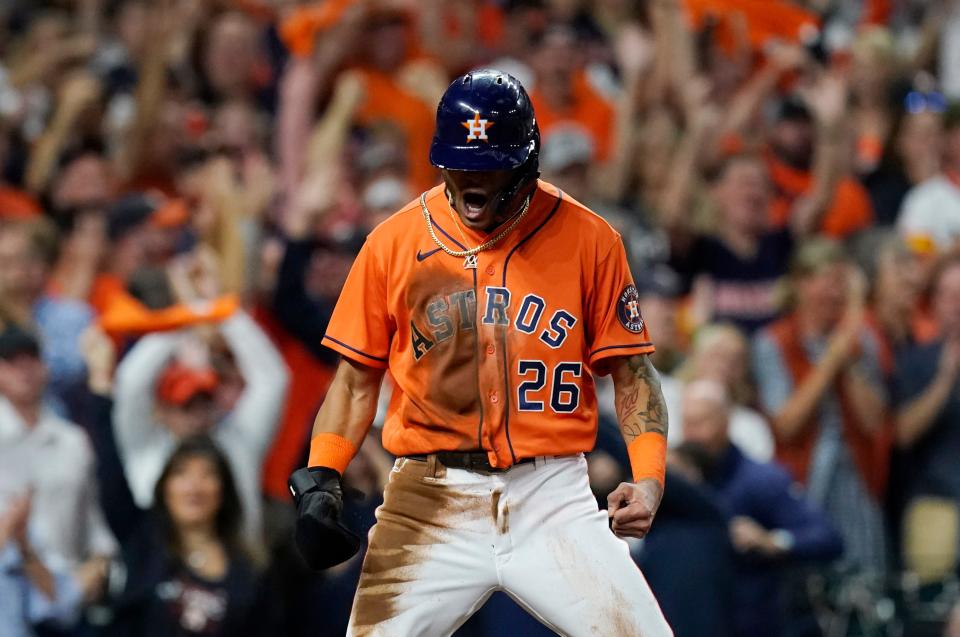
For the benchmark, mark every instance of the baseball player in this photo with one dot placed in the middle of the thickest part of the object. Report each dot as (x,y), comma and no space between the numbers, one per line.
(492,299)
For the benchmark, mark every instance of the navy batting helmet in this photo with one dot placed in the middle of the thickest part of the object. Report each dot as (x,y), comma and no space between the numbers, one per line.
(485,121)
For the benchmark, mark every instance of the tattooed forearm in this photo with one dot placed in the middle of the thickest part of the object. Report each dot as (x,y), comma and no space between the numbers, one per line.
(639,400)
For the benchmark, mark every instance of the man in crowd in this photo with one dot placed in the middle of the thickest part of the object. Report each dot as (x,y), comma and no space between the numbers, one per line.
(736,270)
(770,522)
(30,592)
(28,251)
(52,462)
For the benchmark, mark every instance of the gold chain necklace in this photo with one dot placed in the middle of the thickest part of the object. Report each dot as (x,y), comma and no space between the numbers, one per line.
(470,255)
(463,235)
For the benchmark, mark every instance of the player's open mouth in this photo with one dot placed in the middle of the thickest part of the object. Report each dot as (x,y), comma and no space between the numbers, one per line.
(474,204)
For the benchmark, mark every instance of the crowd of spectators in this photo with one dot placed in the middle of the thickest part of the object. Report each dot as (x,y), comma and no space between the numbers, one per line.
(184,185)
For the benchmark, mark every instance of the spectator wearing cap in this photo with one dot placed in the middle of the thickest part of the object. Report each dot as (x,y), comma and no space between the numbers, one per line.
(160,401)
(567,160)
(185,566)
(931,211)
(771,524)
(28,251)
(384,185)
(128,233)
(793,145)
(821,382)
(927,392)
(735,269)
(49,458)
(123,278)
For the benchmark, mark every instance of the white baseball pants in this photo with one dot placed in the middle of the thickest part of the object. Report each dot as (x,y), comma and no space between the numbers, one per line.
(446,539)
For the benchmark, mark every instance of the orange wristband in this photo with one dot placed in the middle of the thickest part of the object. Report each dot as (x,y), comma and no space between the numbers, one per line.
(648,456)
(332,451)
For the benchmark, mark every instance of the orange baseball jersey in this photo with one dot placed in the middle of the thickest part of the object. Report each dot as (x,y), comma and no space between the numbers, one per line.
(499,357)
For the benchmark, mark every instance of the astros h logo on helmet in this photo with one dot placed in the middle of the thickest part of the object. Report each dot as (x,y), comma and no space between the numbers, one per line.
(477,127)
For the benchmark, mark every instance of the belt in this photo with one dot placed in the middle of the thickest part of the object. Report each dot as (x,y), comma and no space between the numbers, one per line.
(470,460)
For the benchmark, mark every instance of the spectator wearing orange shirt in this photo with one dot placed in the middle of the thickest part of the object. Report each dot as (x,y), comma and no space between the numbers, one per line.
(400,88)
(13,202)
(563,98)
(820,379)
(790,161)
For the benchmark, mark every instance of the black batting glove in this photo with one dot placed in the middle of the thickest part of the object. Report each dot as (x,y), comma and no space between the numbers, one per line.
(321,537)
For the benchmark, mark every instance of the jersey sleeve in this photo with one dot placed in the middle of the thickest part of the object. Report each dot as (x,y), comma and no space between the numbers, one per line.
(615,325)
(360,328)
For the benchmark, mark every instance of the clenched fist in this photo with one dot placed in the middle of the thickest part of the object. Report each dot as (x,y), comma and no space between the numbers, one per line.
(631,507)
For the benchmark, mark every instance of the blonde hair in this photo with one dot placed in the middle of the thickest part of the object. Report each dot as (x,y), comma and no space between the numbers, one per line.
(41,234)
(876,43)
(741,391)
(809,258)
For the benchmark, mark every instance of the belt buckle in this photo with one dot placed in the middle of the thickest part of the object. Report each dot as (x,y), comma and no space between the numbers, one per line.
(472,462)
(489,468)
(479,463)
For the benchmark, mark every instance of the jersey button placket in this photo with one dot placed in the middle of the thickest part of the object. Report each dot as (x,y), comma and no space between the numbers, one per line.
(490,365)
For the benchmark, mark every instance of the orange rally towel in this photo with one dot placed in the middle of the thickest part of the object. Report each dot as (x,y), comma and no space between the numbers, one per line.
(765,19)
(298,31)
(124,314)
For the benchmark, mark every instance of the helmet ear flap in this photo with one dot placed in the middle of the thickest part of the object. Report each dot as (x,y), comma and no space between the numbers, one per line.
(523,183)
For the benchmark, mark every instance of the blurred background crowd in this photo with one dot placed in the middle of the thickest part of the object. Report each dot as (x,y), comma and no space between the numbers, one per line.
(184,185)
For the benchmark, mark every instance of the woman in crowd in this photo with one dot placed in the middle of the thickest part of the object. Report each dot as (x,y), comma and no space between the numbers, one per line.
(187,572)
(721,353)
(185,567)
(820,380)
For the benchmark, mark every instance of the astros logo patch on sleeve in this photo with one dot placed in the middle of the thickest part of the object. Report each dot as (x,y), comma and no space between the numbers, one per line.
(628,309)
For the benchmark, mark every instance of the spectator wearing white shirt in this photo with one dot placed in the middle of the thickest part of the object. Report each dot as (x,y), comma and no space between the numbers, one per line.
(30,592)
(931,210)
(51,462)
(160,400)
